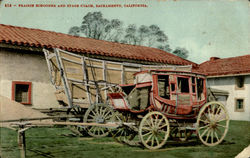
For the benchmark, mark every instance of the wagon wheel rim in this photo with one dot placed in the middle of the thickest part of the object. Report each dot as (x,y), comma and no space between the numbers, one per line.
(154,130)
(100,114)
(212,123)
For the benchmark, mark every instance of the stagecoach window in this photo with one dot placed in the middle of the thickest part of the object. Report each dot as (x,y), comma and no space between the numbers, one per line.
(200,85)
(172,87)
(163,86)
(193,79)
(183,85)
(193,88)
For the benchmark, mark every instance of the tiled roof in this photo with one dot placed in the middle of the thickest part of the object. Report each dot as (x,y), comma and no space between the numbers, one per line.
(47,39)
(226,66)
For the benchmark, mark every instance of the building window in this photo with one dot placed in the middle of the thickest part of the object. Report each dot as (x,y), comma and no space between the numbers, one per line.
(21,92)
(239,82)
(239,105)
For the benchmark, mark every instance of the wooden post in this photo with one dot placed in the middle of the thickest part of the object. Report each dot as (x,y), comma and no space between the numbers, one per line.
(104,74)
(122,74)
(21,141)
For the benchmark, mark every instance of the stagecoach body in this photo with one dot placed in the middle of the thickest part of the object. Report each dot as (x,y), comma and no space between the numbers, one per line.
(177,94)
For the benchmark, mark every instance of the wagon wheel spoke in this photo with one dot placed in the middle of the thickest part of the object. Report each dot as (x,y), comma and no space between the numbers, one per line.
(221,120)
(157,141)
(95,114)
(218,111)
(152,121)
(205,121)
(212,136)
(152,140)
(148,122)
(203,127)
(144,135)
(108,117)
(163,126)
(204,132)
(146,128)
(107,114)
(92,116)
(148,138)
(102,130)
(156,120)
(103,112)
(208,134)
(160,122)
(216,136)
(218,130)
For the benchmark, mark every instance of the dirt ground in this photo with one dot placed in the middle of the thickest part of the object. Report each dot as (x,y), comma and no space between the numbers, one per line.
(11,110)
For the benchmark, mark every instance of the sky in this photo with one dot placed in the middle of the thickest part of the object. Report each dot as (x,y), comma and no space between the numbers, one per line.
(206,28)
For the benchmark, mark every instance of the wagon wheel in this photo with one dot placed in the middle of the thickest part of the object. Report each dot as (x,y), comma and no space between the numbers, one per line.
(79,113)
(212,123)
(122,134)
(154,130)
(98,113)
(180,134)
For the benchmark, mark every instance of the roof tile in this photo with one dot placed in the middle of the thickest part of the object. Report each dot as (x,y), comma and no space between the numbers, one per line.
(226,66)
(40,38)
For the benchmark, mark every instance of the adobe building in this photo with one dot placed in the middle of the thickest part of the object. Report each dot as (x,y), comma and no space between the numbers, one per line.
(24,75)
(231,75)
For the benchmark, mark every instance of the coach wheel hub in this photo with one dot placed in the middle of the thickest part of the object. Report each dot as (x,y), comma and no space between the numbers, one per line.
(99,120)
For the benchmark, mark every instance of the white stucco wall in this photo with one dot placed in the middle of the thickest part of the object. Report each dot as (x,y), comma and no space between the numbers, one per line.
(228,84)
(29,67)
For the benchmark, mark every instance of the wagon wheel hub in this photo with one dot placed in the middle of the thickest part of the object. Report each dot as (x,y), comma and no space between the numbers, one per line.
(213,124)
(155,131)
(100,119)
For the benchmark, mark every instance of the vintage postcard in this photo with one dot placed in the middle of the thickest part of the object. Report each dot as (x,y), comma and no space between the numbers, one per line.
(124,78)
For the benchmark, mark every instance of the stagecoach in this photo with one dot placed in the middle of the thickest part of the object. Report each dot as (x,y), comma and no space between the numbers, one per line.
(162,105)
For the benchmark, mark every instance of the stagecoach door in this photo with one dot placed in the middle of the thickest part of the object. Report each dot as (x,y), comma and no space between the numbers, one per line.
(183,91)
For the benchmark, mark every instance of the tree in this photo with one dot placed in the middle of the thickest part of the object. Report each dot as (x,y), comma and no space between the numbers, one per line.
(181,52)
(97,27)
(75,31)
(151,36)
(165,48)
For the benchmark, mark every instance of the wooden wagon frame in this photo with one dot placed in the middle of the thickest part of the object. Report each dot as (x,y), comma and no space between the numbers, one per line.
(75,77)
